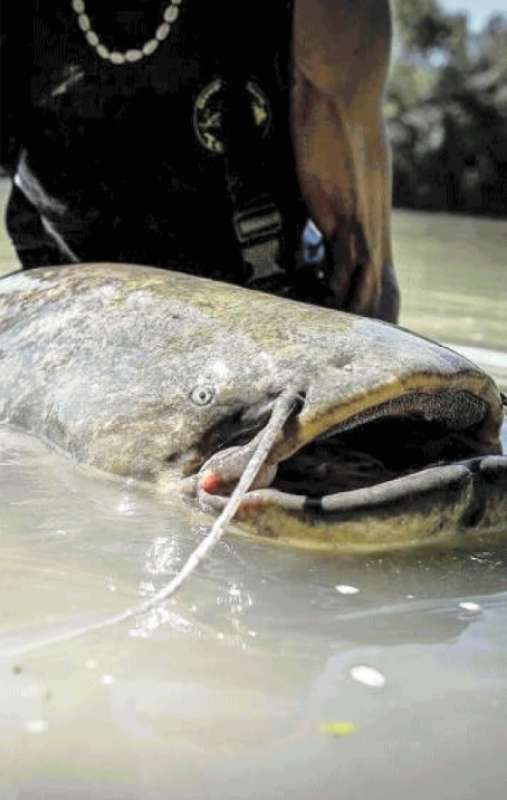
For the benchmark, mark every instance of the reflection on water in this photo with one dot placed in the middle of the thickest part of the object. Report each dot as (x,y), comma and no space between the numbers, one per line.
(249,670)
(274,672)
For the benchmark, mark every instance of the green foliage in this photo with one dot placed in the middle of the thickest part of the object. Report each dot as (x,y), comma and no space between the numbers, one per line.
(447,110)
(422,26)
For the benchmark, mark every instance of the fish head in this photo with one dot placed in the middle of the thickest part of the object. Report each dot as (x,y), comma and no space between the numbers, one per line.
(394,441)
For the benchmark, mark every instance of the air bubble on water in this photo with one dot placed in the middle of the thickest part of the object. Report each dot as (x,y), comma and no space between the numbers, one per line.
(470,607)
(347,590)
(36,726)
(369,676)
(107,680)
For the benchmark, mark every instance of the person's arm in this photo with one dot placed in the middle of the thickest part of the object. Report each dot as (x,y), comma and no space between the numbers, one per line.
(341,60)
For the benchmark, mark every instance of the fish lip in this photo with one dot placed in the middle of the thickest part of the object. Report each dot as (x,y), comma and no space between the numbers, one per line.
(459,476)
(310,425)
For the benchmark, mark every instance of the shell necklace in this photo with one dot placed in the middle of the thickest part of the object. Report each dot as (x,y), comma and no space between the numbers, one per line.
(169,17)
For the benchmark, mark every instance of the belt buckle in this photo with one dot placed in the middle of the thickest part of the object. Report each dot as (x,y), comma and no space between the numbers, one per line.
(257,224)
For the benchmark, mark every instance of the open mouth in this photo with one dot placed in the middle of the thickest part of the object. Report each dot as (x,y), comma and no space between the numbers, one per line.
(384,447)
(385,442)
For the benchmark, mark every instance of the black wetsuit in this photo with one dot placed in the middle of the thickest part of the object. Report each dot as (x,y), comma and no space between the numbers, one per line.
(182,160)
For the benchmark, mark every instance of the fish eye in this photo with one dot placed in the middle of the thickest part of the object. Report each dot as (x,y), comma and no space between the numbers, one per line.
(202,395)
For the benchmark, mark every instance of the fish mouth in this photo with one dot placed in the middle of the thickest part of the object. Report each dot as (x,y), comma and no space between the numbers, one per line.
(377,451)
(383,443)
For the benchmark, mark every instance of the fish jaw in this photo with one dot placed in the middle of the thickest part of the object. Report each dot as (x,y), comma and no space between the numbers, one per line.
(458,505)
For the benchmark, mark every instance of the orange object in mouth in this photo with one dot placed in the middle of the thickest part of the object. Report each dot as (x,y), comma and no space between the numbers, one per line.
(210,482)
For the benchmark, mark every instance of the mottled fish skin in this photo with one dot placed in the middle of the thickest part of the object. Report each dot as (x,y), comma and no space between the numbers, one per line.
(134,370)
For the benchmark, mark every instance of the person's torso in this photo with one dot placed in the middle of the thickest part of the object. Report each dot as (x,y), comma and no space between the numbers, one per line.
(142,146)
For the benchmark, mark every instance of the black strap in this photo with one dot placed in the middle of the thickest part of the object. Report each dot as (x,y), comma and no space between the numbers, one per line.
(256,219)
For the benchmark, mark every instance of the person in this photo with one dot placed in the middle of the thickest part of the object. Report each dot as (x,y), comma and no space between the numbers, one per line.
(203,137)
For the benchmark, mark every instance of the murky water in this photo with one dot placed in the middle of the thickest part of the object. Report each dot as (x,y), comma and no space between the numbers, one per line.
(453,274)
(275,672)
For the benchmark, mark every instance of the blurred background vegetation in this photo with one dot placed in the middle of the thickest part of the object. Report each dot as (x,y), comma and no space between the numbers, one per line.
(447,110)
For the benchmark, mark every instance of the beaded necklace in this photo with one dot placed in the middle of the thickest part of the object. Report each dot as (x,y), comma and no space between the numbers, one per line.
(116,57)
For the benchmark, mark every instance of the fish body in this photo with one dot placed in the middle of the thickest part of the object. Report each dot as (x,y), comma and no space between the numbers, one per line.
(170,379)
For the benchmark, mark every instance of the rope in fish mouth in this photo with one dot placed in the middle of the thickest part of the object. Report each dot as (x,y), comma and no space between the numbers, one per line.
(282,410)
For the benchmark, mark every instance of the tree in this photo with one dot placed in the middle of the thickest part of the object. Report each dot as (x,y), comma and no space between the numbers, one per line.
(447,110)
